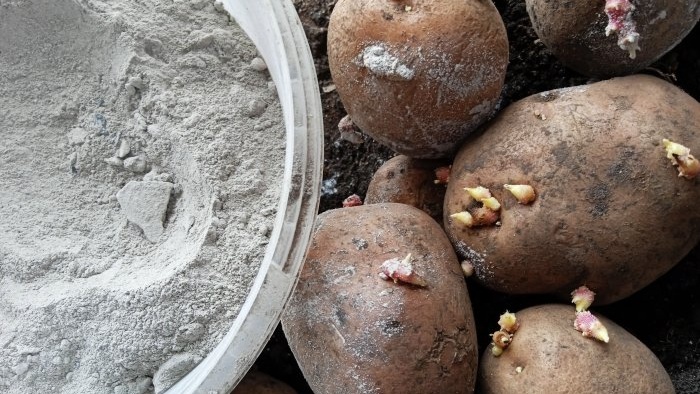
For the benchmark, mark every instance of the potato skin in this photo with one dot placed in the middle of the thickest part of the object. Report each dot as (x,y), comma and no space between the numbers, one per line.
(556,358)
(421,80)
(408,181)
(255,382)
(352,332)
(611,212)
(575,33)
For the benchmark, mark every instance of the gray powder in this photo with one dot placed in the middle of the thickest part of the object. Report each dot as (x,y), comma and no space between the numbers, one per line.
(141,157)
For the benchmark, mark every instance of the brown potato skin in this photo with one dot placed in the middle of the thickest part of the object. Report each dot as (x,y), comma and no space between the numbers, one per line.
(457,50)
(575,33)
(611,212)
(256,382)
(404,180)
(353,332)
(555,358)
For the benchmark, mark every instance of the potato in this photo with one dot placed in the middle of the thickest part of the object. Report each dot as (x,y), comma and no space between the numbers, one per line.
(547,355)
(256,382)
(583,37)
(353,332)
(611,211)
(418,75)
(409,181)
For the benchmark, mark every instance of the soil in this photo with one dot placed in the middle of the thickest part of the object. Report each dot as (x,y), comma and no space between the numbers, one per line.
(665,315)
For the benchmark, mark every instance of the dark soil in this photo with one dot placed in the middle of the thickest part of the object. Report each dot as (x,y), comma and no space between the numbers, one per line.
(665,315)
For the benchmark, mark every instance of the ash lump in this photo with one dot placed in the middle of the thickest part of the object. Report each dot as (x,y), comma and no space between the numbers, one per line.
(144,203)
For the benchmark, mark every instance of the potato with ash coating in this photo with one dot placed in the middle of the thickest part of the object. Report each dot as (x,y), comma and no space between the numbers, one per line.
(418,75)
(547,355)
(354,329)
(611,211)
(611,37)
(410,181)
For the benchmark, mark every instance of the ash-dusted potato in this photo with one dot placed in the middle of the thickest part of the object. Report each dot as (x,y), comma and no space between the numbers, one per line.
(418,75)
(352,331)
(611,211)
(612,37)
(410,181)
(547,355)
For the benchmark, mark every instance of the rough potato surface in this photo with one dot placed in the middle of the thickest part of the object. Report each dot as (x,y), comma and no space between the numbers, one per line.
(611,211)
(408,181)
(547,355)
(353,332)
(575,32)
(418,75)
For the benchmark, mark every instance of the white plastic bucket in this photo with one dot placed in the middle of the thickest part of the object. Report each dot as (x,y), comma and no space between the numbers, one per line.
(274,27)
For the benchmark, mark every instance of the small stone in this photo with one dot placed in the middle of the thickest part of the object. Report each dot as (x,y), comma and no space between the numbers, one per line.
(136,82)
(133,84)
(114,162)
(269,211)
(124,149)
(173,370)
(258,64)
(144,204)
(256,108)
(136,164)
(77,136)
